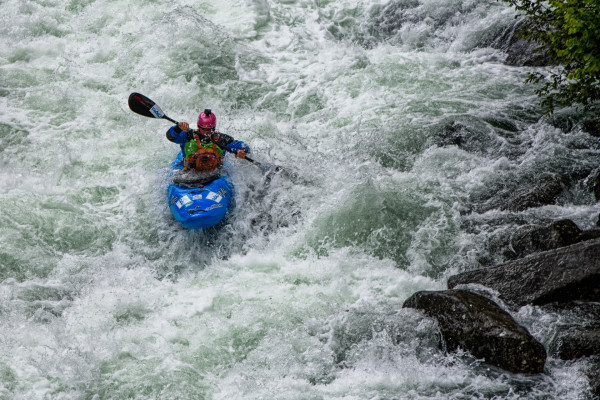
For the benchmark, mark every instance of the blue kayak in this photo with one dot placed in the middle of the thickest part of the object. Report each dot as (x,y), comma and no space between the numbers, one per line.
(199,205)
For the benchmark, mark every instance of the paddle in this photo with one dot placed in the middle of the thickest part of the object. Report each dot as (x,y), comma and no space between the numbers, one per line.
(142,105)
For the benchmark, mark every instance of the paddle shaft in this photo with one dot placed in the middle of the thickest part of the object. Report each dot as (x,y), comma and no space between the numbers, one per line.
(245,158)
(170,119)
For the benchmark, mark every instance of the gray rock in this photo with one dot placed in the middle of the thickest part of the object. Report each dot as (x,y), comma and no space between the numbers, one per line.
(592,126)
(589,235)
(478,325)
(519,51)
(544,191)
(578,332)
(534,238)
(596,187)
(460,135)
(576,343)
(491,136)
(562,275)
(593,374)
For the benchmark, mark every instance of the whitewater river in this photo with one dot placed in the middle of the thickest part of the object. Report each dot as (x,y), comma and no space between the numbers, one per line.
(299,293)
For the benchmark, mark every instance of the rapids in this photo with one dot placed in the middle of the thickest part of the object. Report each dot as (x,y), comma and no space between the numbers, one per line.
(298,294)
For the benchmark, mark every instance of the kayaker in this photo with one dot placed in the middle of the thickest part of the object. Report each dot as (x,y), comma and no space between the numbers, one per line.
(203,149)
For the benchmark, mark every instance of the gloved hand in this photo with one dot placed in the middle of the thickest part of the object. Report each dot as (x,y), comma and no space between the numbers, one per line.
(240,154)
(184,126)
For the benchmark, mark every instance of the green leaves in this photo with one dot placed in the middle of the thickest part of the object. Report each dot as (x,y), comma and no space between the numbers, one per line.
(569,32)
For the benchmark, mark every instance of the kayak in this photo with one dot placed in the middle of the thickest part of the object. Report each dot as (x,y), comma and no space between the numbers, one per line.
(199,205)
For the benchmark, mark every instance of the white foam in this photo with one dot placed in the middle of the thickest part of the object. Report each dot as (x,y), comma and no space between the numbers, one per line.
(300,293)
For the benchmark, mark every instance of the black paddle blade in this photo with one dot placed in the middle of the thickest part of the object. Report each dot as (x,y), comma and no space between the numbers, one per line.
(140,104)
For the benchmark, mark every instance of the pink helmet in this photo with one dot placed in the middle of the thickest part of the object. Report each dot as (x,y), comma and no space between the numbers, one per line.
(207,120)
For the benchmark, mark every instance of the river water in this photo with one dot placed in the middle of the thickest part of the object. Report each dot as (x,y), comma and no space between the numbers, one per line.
(299,293)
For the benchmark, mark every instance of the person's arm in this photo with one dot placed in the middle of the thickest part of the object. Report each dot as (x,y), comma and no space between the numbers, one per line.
(178,133)
(233,146)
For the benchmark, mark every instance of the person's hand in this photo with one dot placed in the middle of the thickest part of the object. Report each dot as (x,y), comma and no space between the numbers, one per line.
(240,154)
(184,126)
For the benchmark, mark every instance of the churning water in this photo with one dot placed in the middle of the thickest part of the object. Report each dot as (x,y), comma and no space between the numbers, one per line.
(298,294)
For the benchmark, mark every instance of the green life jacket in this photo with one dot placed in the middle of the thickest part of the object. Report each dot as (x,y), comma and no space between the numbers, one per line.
(191,147)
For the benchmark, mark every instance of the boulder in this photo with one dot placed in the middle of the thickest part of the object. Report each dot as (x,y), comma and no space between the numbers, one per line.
(592,126)
(593,375)
(525,53)
(478,325)
(591,182)
(544,193)
(576,343)
(544,190)
(465,138)
(561,275)
(534,238)
(589,235)
(578,333)
(596,187)
(489,137)
(519,51)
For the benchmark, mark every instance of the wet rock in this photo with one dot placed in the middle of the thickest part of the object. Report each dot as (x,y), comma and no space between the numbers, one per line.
(494,231)
(493,136)
(596,187)
(578,333)
(524,53)
(457,134)
(589,235)
(565,121)
(478,325)
(531,239)
(591,183)
(592,126)
(520,52)
(566,274)
(593,374)
(573,313)
(534,238)
(576,343)
(451,135)
(570,120)
(544,191)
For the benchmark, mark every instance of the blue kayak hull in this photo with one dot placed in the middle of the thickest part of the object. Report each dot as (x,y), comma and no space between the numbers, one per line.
(202,206)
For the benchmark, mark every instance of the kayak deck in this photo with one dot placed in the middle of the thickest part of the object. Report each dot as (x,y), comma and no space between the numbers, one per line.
(198,206)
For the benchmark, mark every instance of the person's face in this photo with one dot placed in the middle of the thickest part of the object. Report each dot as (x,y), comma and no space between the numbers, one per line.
(205,131)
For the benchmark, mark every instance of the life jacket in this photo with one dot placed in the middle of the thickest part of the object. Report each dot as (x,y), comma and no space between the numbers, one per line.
(202,156)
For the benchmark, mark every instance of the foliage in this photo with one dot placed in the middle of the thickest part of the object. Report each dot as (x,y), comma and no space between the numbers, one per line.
(569,32)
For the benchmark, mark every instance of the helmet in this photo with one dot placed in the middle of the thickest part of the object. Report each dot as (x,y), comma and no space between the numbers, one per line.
(207,119)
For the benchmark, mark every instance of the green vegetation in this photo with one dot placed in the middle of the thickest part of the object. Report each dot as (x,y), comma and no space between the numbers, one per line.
(569,32)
